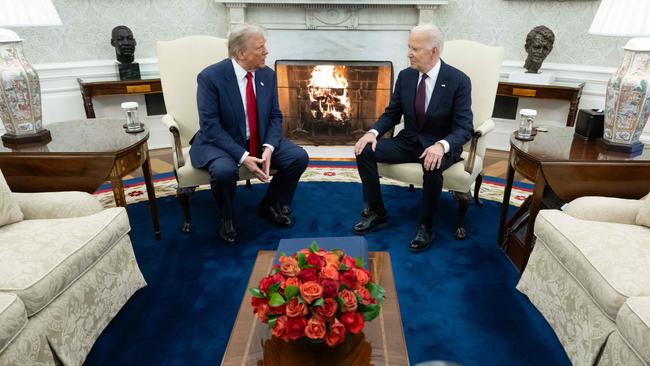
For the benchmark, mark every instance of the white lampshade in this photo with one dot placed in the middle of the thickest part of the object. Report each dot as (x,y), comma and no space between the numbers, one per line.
(28,13)
(627,18)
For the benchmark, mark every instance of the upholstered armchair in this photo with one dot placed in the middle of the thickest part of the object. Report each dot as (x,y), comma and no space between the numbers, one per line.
(482,64)
(180,62)
(589,276)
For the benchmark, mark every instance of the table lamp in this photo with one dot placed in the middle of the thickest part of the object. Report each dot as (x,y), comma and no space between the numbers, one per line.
(20,90)
(627,101)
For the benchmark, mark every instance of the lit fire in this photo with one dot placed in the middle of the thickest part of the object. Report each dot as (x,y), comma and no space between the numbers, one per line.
(328,93)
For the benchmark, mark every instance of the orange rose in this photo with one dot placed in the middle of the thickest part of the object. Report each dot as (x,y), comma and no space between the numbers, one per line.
(328,309)
(364,294)
(280,328)
(336,335)
(332,259)
(262,312)
(315,328)
(363,276)
(329,273)
(311,291)
(291,281)
(349,300)
(296,309)
(289,266)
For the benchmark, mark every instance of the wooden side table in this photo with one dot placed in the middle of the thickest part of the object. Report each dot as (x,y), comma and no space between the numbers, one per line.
(80,157)
(98,88)
(571,168)
(560,91)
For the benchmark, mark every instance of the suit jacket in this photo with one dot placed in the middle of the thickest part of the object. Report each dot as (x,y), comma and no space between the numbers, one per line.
(222,121)
(449,114)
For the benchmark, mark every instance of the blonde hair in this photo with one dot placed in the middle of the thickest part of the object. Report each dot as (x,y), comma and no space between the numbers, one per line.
(436,38)
(239,36)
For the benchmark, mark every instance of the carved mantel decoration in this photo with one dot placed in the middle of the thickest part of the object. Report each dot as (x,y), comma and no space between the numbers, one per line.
(332,14)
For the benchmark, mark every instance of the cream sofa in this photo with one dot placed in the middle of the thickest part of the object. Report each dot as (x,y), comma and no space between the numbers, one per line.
(66,268)
(589,275)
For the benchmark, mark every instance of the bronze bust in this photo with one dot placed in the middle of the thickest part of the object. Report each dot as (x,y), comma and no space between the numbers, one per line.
(539,43)
(124,42)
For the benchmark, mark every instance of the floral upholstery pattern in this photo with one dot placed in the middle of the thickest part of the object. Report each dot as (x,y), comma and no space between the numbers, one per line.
(9,210)
(38,271)
(633,322)
(617,352)
(12,317)
(56,205)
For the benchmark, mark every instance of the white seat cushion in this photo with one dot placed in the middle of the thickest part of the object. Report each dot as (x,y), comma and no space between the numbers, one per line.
(39,259)
(13,318)
(584,248)
(633,322)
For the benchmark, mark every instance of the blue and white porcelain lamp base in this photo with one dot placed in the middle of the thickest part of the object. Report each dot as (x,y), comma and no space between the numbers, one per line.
(20,95)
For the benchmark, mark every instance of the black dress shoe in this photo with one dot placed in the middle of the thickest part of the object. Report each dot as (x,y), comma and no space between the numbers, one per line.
(422,239)
(285,209)
(227,232)
(274,214)
(365,212)
(370,223)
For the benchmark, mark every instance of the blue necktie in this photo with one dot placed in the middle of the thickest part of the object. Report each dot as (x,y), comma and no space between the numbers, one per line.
(420,100)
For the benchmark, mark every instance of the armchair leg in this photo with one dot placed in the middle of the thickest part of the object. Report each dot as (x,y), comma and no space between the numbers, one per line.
(411,188)
(463,198)
(477,189)
(183,196)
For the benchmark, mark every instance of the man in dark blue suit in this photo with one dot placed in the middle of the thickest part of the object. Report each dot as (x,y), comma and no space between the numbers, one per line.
(241,124)
(435,101)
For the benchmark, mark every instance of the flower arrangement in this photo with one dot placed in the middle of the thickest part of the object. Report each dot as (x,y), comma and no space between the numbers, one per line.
(317,295)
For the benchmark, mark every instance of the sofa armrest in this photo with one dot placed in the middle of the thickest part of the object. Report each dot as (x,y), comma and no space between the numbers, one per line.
(56,205)
(633,323)
(13,318)
(177,146)
(607,209)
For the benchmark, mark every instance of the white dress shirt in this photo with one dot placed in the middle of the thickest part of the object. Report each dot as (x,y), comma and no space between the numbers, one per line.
(430,84)
(240,73)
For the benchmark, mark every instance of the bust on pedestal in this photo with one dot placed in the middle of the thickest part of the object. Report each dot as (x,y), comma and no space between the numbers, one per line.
(124,43)
(539,43)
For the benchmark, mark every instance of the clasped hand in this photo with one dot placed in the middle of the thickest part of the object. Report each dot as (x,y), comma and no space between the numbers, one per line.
(261,168)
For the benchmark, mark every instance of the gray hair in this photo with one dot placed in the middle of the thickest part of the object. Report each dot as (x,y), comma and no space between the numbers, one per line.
(436,38)
(239,36)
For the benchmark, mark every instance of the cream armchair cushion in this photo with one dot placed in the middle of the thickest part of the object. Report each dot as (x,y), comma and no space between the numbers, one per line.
(9,210)
(482,64)
(643,217)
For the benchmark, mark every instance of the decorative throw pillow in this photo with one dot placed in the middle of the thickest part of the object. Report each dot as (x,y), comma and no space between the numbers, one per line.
(643,217)
(9,210)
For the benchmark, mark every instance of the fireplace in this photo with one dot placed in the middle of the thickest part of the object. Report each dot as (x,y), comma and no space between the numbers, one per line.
(331,102)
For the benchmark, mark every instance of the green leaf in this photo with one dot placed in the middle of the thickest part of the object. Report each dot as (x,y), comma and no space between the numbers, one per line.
(360,262)
(274,271)
(302,260)
(300,299)
(343,267)
(319,302)
(276,299)
(274,288)
(256,293)
(340,302)
(290,292)
(314,247)
(376,291)
(370,312)
(272,322)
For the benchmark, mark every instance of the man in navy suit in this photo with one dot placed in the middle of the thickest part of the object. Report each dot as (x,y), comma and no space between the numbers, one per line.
(241,124)
(435,101)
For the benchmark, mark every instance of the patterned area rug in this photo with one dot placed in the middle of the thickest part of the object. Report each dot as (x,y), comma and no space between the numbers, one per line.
(318,171)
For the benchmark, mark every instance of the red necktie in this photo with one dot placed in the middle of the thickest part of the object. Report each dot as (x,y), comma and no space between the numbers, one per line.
(251,112)
(420,99)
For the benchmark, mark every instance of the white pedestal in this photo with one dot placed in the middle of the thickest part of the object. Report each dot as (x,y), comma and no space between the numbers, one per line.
(545,78)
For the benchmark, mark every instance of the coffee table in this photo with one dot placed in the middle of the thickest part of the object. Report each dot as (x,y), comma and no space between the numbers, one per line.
(382,341)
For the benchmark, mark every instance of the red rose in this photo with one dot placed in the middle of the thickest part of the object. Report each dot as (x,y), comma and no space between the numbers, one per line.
(349,300)
(353,322)
(363,276)
(262,312)
(315,328)
(315,260)
(348,278)
(257,301)
(330,288)
(277,309)
(349,261)
(296,309)
(267,281)
(364,294)
(280,328)
(336,335)
(329,273)
(328,309)
(308,274)
(296,327)
(311,291)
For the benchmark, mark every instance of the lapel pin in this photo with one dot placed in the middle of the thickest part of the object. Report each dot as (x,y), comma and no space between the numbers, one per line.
(443,85)
(261,83)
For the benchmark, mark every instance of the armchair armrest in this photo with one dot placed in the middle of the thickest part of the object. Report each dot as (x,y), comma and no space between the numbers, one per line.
(480,131)
(56,205)
(177,148)
(606,209)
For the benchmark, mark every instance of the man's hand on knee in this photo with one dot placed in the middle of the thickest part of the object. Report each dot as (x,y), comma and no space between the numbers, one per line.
(252,164)
(368,137)
(433,156)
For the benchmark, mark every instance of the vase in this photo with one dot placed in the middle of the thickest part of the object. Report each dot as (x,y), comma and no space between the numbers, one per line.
(20,93)
(627,101)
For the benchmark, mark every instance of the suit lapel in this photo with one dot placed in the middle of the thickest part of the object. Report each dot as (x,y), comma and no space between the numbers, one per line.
(410,89)
(261,96)
(439,90)
(235,98)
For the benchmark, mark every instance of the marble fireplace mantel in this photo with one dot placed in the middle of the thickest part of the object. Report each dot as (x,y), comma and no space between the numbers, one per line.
(332,14)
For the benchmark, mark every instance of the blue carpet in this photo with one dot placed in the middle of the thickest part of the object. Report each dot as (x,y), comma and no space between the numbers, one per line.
(458,299)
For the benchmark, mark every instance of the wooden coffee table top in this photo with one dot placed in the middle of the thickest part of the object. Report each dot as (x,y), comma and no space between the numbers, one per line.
(382,342)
